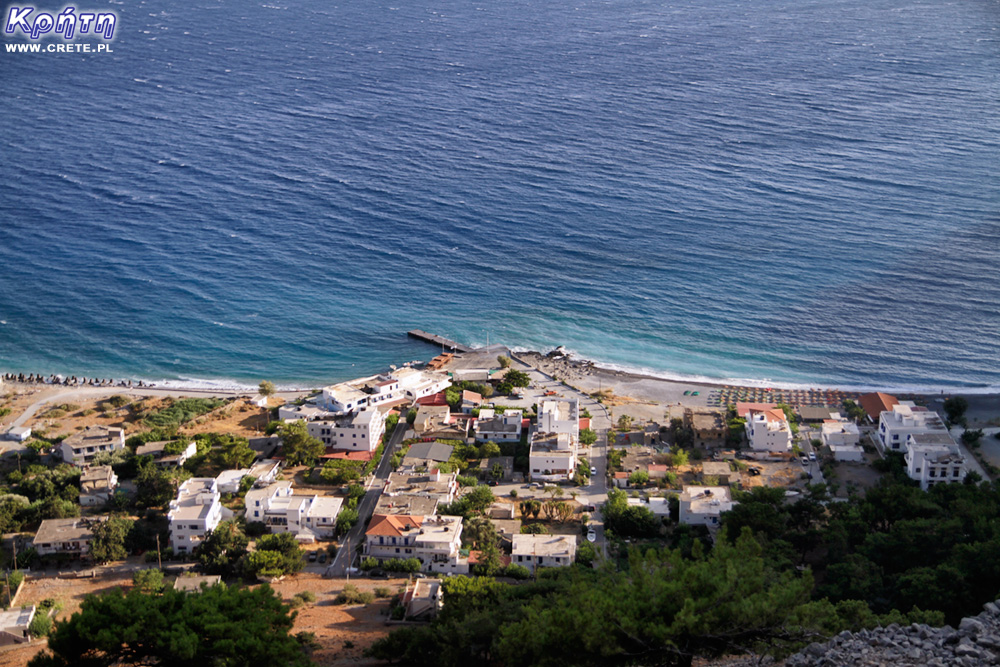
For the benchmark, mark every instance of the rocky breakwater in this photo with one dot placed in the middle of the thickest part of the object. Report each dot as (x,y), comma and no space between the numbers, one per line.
(976,642)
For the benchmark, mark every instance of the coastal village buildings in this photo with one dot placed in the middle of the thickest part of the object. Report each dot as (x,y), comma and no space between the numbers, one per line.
(403,386)
(768,430)
(703,505)
(81,447)
(554,442)
(358,431)
(229,480)
(195,513)
(431,417)
(68,537)
(706,423)
(423,599)
(906,419)
(534,551)
(432,484)
(15,625)
(427,455)
(934,458)
(560,416)
(306,517)
(265,471)
(842,437)
(552,457)
(433,540)
(876,403)
(158,450)
(504,427)
(97,485)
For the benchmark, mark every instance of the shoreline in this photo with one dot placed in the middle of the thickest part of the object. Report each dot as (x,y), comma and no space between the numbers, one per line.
(613,371)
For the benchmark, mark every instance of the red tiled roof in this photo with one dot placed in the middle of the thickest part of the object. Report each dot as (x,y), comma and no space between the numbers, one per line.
(742,409)
(876,403)
(433,399)
(621,475)
(393,525)
(658,468)
(584,422)
(471,396)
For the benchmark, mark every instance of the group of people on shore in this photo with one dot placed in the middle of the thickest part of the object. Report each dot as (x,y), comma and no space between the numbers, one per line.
(72,381)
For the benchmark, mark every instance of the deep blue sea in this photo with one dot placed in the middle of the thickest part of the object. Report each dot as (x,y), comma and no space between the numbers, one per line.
(803,192)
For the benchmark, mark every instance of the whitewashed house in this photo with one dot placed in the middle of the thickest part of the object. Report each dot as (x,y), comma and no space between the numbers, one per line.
(905,419)
(703,505)
(81,447)
(768,430)
(194,513)
(934,458)
(534,551)
(435,541)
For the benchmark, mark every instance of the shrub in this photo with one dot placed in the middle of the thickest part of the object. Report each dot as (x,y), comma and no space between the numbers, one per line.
(368,563)
(515,571)
(41,625)
(351,595)
(302,598)
(383,592)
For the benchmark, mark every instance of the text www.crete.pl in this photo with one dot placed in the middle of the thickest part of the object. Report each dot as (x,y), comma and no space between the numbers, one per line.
(58,48)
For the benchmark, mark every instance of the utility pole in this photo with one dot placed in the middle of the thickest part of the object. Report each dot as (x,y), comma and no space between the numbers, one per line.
(159,561)
(15,552)
(347,545)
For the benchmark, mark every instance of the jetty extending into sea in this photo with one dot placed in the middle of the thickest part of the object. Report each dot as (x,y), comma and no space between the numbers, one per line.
(434,339)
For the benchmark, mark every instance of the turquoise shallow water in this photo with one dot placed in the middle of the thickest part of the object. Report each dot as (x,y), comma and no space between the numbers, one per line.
(799,192)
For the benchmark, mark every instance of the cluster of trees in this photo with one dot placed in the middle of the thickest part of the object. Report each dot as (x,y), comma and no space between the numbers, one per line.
(225,552)
(661,608)
(514,379)
(897,548)
(632,521)
(299,447)
(473,503)
(40,493)
(453,394)
(219,626)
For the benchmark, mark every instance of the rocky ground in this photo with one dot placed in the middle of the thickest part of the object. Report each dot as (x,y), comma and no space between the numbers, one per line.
(976,642)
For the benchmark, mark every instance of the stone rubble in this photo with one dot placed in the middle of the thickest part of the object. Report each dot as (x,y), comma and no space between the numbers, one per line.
(976,643)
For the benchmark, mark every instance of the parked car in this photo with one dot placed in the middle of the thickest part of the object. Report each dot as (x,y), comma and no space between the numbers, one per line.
(591,535)
(312,556)
(805,460)
(812,456)
(322,556)
(593,470)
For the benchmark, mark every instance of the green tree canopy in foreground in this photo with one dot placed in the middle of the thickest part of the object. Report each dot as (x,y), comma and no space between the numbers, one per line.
(220,626)
(663,609)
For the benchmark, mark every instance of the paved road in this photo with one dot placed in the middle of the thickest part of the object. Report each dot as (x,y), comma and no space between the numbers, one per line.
(338,568)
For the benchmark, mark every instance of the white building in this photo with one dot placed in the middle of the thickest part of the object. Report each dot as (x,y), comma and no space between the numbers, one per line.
(158,450)
(195,513)
(19,433)
(306,517)
(431,417)
(703,505)
(905,419)
(842,437)
(768,430)
(97,486)
(15,624)
(435,541)
(229,480)
(358,431)
(70,537)
(934,458)
(560,416)
(658,506)
(498,428)
(434,484)
(81,447)
(404,384)
(534,551)
(552,457)
(265,471)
